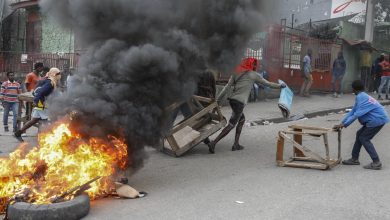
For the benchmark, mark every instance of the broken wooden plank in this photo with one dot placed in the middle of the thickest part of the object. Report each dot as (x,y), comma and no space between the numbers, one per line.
(307,165)
(193,118)
(172,143)
(185,136)
(306,133)
(280,149)
(298,139)
(339,144)
(327,156)
(203,136)
(203,99)
(305,127)
(75,190)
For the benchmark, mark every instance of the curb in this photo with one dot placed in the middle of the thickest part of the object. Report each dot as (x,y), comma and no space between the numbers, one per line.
(313,114)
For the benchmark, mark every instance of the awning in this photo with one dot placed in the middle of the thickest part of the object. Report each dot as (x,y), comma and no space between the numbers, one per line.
(362,43)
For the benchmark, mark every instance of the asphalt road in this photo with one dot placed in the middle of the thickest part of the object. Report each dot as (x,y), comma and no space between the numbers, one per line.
(249,185)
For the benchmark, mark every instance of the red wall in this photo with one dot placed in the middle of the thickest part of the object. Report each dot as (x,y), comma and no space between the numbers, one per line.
(293,78)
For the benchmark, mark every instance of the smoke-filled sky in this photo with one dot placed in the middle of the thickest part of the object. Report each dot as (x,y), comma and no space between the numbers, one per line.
(143,55)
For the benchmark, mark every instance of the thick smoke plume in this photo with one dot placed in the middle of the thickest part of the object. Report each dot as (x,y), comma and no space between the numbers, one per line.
(143,55)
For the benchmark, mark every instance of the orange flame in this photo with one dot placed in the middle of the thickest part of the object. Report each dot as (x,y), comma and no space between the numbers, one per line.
(61,161)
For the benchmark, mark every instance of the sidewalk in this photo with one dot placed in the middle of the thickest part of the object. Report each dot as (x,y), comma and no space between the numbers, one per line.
(317,104)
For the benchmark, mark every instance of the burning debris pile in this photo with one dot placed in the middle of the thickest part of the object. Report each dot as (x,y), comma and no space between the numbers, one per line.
(64,160)
(140,57)
(144,55)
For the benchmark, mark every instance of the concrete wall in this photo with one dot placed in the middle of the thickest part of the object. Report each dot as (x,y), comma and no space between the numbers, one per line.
(351,53)
(351,31)
(55,39)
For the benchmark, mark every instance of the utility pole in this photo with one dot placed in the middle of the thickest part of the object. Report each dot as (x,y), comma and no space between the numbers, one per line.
(292,21)
(369,30)
(366,53)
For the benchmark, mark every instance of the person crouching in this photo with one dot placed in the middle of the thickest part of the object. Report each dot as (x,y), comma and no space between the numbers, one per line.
(372,115)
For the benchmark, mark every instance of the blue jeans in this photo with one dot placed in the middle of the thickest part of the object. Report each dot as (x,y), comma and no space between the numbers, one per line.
(384,81)
(363,137)
(337,78)
(14,107)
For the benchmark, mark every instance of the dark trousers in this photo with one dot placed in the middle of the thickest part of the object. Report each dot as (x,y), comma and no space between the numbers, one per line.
(363,137)
(377,83)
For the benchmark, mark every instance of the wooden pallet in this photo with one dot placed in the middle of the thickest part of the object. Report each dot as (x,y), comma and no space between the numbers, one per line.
(192,131)
(304,157)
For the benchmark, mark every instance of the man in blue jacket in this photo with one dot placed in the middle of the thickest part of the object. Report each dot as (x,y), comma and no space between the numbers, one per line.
(372,115)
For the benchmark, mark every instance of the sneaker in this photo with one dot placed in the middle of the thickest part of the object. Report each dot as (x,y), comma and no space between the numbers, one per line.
(237,147)
(334,95)
(6,129)
(374,166)
(211,147)
(18,136)
(351,161)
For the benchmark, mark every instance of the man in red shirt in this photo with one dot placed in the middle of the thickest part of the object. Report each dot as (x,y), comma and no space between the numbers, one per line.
(33,77)
(9,97)
(385,79)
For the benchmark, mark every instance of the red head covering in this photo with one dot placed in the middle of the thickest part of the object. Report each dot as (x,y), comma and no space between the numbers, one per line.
(247,64)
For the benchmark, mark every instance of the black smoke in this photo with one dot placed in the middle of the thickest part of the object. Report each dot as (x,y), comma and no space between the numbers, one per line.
(143,55)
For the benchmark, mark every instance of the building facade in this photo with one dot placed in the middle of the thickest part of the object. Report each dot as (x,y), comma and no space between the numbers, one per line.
(297,12)
(28,37)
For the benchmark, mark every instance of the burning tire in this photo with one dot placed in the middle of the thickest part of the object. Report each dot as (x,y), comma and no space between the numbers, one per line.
(74,209)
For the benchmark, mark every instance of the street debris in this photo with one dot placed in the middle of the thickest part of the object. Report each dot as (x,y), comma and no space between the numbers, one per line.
(297,117)
(75,191)
(201,124)
(240,202)
(303,156)
(128,192)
